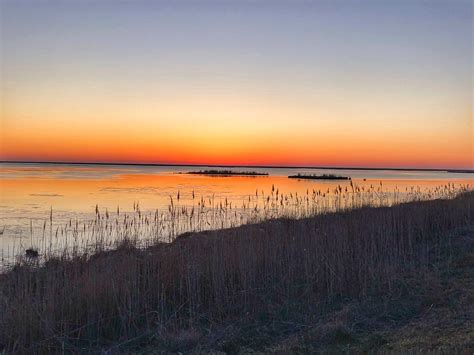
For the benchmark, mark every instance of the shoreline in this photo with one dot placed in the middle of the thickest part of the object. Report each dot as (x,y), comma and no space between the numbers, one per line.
(183,295)
(450,170)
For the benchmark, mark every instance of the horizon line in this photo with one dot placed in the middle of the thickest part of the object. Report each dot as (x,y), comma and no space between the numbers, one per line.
(455,170)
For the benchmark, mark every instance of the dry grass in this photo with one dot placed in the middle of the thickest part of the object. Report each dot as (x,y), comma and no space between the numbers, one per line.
(431,310)
(190,213)
(171,292)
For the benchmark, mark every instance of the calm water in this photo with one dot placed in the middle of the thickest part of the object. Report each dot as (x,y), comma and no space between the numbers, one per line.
(30,191)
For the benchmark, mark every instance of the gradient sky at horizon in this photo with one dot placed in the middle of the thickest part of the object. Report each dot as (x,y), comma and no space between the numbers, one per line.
(324,83)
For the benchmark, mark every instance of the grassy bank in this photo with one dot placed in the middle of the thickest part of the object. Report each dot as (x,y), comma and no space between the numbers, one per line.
(428,310)
(253,286)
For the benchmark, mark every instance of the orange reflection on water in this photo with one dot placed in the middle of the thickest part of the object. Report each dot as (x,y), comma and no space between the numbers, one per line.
(48,188)
(29,192)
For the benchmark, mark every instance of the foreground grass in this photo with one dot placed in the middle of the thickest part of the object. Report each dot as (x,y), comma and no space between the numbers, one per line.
(429,309)
(364,279)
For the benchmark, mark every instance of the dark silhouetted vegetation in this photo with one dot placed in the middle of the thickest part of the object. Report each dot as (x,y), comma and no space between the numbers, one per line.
(319,177)
(227,173)
(247,286)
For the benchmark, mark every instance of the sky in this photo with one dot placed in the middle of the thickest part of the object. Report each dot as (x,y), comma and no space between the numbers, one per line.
(292,83)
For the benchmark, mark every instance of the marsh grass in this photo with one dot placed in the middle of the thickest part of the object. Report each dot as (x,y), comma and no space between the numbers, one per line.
(150,288)
(227,173)
(190,213)
(319,177)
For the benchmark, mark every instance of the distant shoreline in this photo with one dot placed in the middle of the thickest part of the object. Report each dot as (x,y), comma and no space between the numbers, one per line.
(459,171)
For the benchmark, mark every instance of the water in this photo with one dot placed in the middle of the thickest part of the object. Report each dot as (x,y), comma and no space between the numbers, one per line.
(29,192)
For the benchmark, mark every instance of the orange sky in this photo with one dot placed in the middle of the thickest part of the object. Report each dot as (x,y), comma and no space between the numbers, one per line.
(261,134)
(234,149)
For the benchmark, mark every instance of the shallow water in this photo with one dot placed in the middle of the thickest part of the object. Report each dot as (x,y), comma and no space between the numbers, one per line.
(30,191)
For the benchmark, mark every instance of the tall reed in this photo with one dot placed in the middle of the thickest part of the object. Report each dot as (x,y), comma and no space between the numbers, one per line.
(189,213)
(100,301)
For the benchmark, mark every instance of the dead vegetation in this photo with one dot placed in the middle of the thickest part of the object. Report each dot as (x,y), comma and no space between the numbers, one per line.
(208,290)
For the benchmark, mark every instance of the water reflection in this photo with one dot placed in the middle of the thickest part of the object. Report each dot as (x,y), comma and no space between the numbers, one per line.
(29,192)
